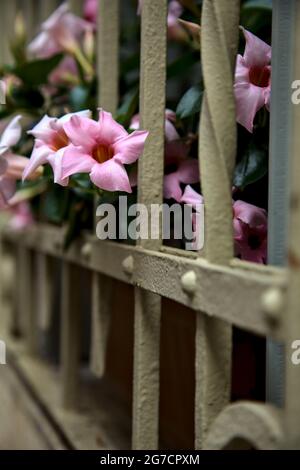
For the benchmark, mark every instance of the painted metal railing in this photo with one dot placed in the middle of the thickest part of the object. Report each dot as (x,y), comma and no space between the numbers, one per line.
(223,291)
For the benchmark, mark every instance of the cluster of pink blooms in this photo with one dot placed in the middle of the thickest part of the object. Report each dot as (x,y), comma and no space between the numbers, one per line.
(75,143)
(179,168)
(249,227)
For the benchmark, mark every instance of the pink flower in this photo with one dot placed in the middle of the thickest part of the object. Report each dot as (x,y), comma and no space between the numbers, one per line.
(170,131)
(21,216)
(60,32)
(191,197)
(179,169)
(90,10)
(65,73)
(101,149)
(11,165)
(51,142)
(252,86)
(250,232)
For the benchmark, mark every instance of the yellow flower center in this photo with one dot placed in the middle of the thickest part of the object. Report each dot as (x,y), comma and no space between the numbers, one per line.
(102,153)
(60,140)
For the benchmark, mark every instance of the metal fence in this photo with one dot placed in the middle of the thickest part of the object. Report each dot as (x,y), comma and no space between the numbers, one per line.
(223,291)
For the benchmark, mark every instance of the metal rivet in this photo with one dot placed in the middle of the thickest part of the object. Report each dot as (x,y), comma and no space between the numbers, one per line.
(86,250)
(272,303)
(128,265)
(189,282)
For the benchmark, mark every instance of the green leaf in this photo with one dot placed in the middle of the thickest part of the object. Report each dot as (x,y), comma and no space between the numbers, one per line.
(55,204)
(258,4)
(256,15)
(128,107)
(190,103)
(252,167)
(36,72)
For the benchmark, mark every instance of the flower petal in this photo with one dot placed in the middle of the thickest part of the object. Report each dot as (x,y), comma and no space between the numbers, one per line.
(241,71)
(190,196)
(249,99)
(38,157)
(82,131)
(129,148)
(257,52)
(111,176)
(170,131)
(16,166)
(3,165)
(86,113)
(43,129)
(75,160)
(249,214)
(7,189)
(188,171)
(110,130)
(172,189)
(55,160)
(11,134)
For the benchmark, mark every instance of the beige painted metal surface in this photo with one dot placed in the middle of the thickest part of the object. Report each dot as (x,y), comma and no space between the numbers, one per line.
(108,75)
(145,434)
(217,150)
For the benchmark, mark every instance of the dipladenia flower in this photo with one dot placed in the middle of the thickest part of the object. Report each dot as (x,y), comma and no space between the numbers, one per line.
(101,148)
(179,168)
(90,10)
(59,33)
(51,142)
(250,232)
(252,86)
(11,165)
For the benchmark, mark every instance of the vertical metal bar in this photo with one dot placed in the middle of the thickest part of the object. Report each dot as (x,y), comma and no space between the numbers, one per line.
(8,11)
(279,189)
(102,292)
(292,317)
(150,184)
(70,317)
(44,291)
(27,306)
(108,54)
(108,74)
(70,334)
(217,156)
